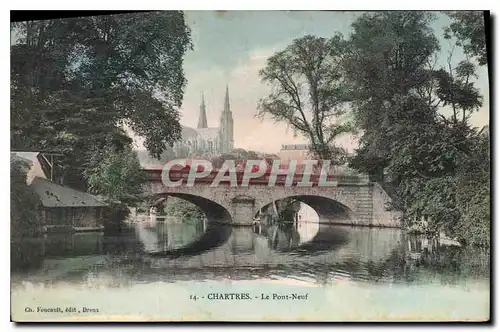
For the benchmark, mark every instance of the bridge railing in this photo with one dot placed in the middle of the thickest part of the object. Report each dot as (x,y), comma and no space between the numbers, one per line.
(339,179)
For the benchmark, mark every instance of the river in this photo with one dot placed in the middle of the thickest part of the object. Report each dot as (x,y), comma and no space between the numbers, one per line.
(170,272)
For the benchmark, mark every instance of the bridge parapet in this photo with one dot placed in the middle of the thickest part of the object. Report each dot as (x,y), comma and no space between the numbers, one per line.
(181,176)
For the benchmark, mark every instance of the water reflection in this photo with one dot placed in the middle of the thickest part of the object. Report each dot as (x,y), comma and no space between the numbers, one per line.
(307,251)
(305,237)
(171,235)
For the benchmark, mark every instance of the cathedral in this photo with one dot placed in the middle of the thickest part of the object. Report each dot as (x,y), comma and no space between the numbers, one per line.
(205,141)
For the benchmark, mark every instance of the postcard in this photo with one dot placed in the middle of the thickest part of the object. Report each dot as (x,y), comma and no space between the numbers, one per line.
(250,166)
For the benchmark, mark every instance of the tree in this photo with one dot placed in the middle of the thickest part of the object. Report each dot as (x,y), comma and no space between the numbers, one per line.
(447,183)
(426,163)
(309,92)
(385,67)
(183,209)
(439,164)
(469,29)
(473,193)
(454,87)
(117,175)
(239,156)
(77,81)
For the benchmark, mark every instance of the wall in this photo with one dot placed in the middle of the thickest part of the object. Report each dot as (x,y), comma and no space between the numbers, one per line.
(69,217)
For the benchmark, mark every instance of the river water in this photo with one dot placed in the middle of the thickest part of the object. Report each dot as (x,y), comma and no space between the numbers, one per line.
(172,271)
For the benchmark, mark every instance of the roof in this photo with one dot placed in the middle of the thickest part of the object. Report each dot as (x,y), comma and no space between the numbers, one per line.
(196,133)
(54,195)
(188,132)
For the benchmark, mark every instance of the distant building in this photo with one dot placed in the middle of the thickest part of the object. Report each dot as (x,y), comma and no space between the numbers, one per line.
(61,207)
(301,152)
(297,152)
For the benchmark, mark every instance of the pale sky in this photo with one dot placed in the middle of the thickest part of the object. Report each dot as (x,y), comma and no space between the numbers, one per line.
(231,47)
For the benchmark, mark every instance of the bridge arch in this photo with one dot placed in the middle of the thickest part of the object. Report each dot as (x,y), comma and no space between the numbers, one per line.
(213,211)
(238,205)
(328,209)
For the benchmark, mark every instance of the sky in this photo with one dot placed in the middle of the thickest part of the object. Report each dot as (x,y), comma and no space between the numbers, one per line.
(230,47)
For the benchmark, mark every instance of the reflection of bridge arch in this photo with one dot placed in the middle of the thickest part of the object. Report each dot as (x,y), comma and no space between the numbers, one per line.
(214,236)
(340,248)
(287,237)
(213,211)
(328,209)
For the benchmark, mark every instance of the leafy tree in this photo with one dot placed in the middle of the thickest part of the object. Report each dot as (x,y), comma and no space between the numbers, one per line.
(455,88)
(469,29)
(309,92)
(385,66)
(117,175)
(24,204)
(183,209)
(454,192)
(76,81)
(474,192)
(439,164)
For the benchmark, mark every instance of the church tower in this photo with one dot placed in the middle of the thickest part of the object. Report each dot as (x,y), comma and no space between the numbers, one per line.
(226,126)
(202,120)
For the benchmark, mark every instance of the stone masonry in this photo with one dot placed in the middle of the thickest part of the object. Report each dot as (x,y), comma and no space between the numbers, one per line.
(347,204)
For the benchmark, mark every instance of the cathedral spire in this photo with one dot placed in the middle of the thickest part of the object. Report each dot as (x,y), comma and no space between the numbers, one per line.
(226,101)
(226,126)
(202,120)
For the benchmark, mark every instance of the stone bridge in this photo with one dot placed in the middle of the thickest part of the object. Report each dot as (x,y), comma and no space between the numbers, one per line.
(353,200)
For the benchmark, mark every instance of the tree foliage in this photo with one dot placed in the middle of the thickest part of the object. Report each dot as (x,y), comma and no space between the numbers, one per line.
(385,67)
(309,92)
(24,204)
(469,28)
(77,81)
(117,175)
(473,193)
(400,98)
(183,209)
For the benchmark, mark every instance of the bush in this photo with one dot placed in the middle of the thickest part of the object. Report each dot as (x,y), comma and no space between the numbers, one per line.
(183,209)
(24,204)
